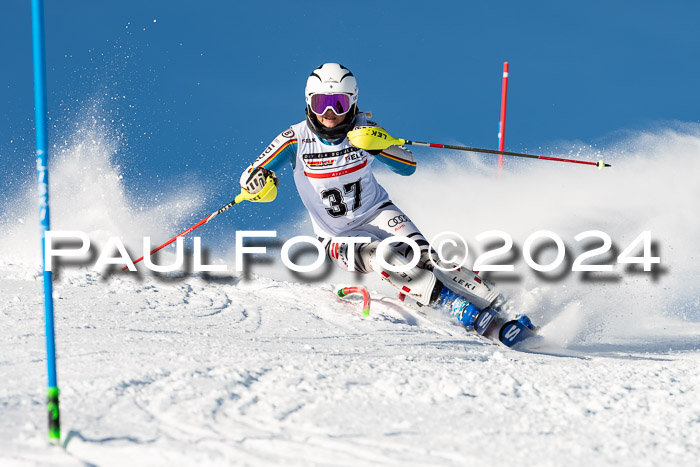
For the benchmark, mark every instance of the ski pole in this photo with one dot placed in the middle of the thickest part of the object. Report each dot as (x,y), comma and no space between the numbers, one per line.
(377,139)
(267,194)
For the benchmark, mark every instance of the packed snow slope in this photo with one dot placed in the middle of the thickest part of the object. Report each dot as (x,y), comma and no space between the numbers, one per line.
(272,368)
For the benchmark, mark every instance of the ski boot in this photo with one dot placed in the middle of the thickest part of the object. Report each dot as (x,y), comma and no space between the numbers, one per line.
(466,313)
(517,330)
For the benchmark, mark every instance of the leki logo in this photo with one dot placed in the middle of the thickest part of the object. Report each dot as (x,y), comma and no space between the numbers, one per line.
(379,134)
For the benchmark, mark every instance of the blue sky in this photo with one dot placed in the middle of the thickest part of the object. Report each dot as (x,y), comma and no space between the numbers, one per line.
(197,89)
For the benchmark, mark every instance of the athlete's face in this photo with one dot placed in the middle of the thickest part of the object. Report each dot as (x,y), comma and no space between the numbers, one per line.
(330,120)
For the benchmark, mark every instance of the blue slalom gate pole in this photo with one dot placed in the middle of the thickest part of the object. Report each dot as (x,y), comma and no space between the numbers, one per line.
(42,148)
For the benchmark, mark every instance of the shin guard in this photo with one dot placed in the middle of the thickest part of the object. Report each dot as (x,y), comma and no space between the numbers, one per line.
(480,292)
(415,283)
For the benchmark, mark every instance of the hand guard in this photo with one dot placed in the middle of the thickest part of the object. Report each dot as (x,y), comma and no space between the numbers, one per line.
(257,179)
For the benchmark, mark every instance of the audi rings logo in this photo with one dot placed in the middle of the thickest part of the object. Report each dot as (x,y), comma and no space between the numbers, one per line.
(394,221)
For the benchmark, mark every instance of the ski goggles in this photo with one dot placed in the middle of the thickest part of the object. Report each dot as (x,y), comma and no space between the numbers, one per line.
(338,103)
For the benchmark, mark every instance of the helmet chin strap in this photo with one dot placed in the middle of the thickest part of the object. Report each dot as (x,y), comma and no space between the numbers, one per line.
(335,133)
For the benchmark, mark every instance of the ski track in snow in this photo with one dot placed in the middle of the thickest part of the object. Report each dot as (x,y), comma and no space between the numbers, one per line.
(187,372)
(269,371)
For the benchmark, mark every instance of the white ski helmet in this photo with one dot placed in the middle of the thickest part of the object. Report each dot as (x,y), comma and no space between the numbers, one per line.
(331,78)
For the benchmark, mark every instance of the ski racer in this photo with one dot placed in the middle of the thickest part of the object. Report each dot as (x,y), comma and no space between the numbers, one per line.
(336,185)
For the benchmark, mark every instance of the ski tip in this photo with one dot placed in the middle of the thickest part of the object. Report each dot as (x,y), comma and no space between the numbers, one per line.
(513,332)
(366,299)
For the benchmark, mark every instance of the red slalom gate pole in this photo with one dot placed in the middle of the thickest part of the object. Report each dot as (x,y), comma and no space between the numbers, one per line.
(502,125)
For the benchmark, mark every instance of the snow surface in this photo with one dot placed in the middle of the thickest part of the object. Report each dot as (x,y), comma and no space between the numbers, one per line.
(272,369)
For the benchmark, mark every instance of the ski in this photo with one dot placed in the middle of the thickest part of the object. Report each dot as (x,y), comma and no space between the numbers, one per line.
(487,323)
(515,331)
(366,298)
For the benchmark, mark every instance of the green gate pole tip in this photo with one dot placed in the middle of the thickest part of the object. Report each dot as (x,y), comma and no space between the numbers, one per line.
(53,413)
